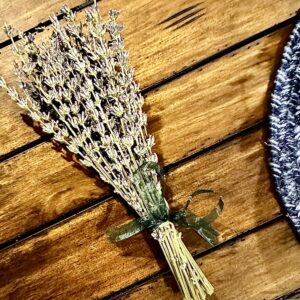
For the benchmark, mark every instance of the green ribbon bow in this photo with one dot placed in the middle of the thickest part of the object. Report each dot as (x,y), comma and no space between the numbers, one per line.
(159,212)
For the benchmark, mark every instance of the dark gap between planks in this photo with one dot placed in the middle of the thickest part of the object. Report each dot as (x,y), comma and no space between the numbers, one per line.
(147,89)
(170,78)
(130,288)
(39,27)
(89,206)
(169,167)
(290,295)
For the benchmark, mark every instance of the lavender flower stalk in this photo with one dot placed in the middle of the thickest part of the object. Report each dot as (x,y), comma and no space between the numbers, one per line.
(80,88)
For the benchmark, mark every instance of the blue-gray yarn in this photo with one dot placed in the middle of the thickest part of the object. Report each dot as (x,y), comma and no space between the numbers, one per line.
(285,129)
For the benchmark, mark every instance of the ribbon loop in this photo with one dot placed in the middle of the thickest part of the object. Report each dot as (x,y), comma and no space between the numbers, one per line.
(159,210)
(203,226)
(130,229)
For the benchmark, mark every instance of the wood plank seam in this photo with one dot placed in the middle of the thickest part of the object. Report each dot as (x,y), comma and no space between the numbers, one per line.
(72,214)
(46,23)
(226,139)
(55,222)
(289,295)
(233,261)
(250,112)
(190,158)
(145,75)
(26,147)
(220,54)
(230,58)
(174,76)
(52,245)
(230,241)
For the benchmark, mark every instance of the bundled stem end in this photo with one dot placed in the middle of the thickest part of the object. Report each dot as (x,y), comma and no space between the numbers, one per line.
(191,280)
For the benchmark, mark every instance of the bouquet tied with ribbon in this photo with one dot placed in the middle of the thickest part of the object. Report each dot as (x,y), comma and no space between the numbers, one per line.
(79,87)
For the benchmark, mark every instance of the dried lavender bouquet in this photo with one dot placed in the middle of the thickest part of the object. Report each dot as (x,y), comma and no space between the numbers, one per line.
(79,87)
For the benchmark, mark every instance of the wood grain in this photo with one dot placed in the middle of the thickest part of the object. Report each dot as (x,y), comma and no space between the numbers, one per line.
(30,13)
(261,266)
(178,129)
(186,115)
(157,51)
(37,190)
(291,295)
(75,260)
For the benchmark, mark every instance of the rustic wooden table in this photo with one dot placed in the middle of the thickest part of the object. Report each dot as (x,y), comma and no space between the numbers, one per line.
(206,69)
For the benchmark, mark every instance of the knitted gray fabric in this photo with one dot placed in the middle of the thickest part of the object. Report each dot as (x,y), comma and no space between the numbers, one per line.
(285,129)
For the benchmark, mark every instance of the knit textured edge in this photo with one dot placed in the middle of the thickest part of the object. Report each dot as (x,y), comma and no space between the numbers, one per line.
(284,136)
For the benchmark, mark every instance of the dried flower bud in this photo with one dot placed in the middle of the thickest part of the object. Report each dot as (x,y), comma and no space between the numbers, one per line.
(80,88)
(2,82)
(8,30)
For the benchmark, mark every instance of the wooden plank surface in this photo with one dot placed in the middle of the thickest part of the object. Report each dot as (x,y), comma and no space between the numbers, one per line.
(35,189)
(293,296)
(186,115)
(75,260)
(24,15)
(261,266)
(162,44)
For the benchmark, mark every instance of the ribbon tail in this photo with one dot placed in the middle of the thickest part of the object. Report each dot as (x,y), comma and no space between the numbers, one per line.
(126,231)
(208,233)
(202,227)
